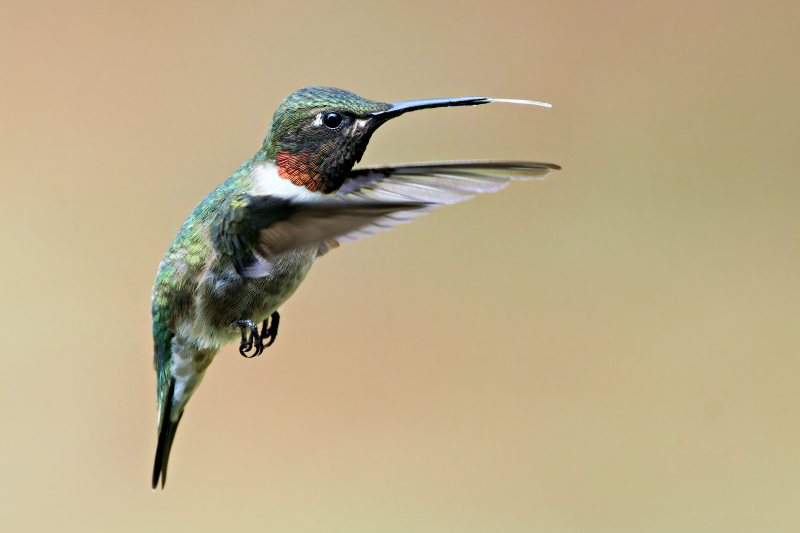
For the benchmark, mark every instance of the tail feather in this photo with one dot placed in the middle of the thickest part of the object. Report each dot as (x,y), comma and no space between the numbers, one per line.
(165,437)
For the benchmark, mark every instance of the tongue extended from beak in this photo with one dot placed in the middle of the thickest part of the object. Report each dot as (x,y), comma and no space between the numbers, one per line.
(398,108)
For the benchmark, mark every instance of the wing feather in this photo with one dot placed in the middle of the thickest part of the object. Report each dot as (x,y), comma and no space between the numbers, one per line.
(372,199)
(255,230)
(437,183)
(314,222)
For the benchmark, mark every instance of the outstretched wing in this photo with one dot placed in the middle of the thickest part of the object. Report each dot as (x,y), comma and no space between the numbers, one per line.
(438,183)
(299,224)
(255,230)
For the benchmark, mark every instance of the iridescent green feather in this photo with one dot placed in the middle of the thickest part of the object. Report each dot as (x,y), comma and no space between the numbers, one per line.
(181,267)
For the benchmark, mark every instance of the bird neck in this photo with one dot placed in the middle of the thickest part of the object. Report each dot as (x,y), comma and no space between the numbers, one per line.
(268,178)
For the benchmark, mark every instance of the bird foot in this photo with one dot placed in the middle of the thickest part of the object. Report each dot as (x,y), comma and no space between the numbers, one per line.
(272,331)
(256,341)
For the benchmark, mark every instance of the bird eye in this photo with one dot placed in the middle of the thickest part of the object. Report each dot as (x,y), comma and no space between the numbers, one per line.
(332,120)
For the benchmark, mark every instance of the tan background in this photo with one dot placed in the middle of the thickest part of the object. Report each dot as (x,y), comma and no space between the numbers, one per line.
(614,349)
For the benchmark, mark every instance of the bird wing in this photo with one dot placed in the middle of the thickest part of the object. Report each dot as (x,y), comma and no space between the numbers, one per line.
(435,183)
(255,230)
(299,224)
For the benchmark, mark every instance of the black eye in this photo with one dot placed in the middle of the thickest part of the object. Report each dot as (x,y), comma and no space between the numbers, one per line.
(332,120)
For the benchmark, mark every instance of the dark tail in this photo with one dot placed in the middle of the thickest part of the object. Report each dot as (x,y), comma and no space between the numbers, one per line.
(165,438)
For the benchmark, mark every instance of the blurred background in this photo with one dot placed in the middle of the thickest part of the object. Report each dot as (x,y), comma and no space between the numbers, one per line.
(613,349)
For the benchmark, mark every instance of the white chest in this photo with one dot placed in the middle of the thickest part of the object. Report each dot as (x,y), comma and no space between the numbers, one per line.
(266,181)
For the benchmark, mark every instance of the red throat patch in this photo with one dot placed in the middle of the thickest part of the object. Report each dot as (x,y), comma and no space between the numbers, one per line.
(303,169)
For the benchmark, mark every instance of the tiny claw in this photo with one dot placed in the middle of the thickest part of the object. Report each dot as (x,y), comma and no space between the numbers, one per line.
(244,346)
(272,331)
(247,343)
(259,347)
(254,341)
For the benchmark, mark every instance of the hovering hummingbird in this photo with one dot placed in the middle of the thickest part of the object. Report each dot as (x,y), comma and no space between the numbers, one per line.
(249,244)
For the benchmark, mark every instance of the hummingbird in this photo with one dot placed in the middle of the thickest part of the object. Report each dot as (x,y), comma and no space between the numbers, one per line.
(248,245)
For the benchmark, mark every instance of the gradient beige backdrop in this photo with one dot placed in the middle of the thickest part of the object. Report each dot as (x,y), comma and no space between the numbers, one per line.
(614,349)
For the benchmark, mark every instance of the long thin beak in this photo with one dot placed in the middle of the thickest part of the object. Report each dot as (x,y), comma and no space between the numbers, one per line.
(398,108)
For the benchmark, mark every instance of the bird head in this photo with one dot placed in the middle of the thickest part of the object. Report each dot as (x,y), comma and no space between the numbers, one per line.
(319,133)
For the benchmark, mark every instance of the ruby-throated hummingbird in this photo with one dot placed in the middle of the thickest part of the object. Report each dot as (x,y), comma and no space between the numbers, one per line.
(249,244)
